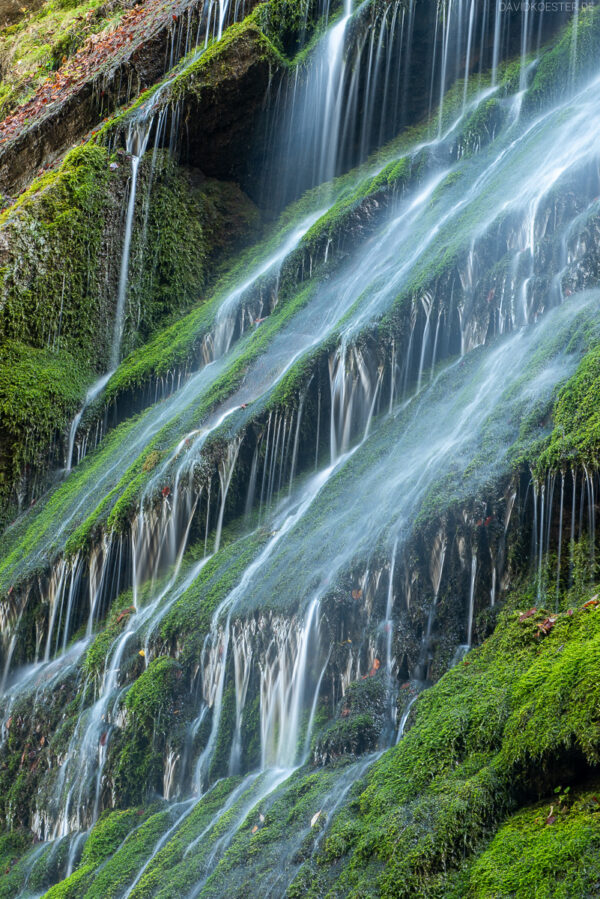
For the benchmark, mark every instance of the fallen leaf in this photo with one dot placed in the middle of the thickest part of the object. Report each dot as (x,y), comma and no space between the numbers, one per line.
(525,615)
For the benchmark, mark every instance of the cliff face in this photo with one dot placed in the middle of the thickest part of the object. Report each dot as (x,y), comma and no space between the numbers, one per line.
(298,450)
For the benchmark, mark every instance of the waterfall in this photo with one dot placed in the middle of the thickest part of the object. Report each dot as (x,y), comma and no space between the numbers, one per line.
(389,624)
(216,503)
(471,600)
(345,72)
(396,231)
(404,718)
(352,382)
(93,392)
(136,143)
(284,685)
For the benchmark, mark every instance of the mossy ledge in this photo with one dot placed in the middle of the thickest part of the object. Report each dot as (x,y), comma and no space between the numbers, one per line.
(60,246)
(515,720)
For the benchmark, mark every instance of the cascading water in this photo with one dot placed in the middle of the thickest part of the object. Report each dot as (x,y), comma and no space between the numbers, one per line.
(136,143)
(400,422)
(150,116)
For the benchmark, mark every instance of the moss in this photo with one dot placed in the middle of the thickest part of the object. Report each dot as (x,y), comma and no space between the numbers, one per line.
(74,886)
(152,697)
(54,232)
(107,835)
(52,313)
(484,738)
(548,850)
(138,766)
(13,846)
(569,62)
(262,846)
(154,709)
(359,722)
(96,656)
(192,226)
(290,24)
(198,72)
(575,439)
(39,393)
(220,760)
(59,283)
(119,871)
(164,869)
(212,65)
(483,125)
(356,211)
(35,871)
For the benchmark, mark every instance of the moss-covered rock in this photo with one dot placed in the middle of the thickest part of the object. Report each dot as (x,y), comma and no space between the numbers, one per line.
(359,722)
(516,719)
(221,96)
(40,392)
(153,696)
(575,53)
(575,440)
(548,850)
(60,252)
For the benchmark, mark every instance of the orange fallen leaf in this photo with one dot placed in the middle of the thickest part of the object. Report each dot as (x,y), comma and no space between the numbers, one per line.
(525,615)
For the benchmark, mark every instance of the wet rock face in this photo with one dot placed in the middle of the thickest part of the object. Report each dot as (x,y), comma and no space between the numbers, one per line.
(219,108)
(584,258)
(447,586)
(457,572)
(358,724)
